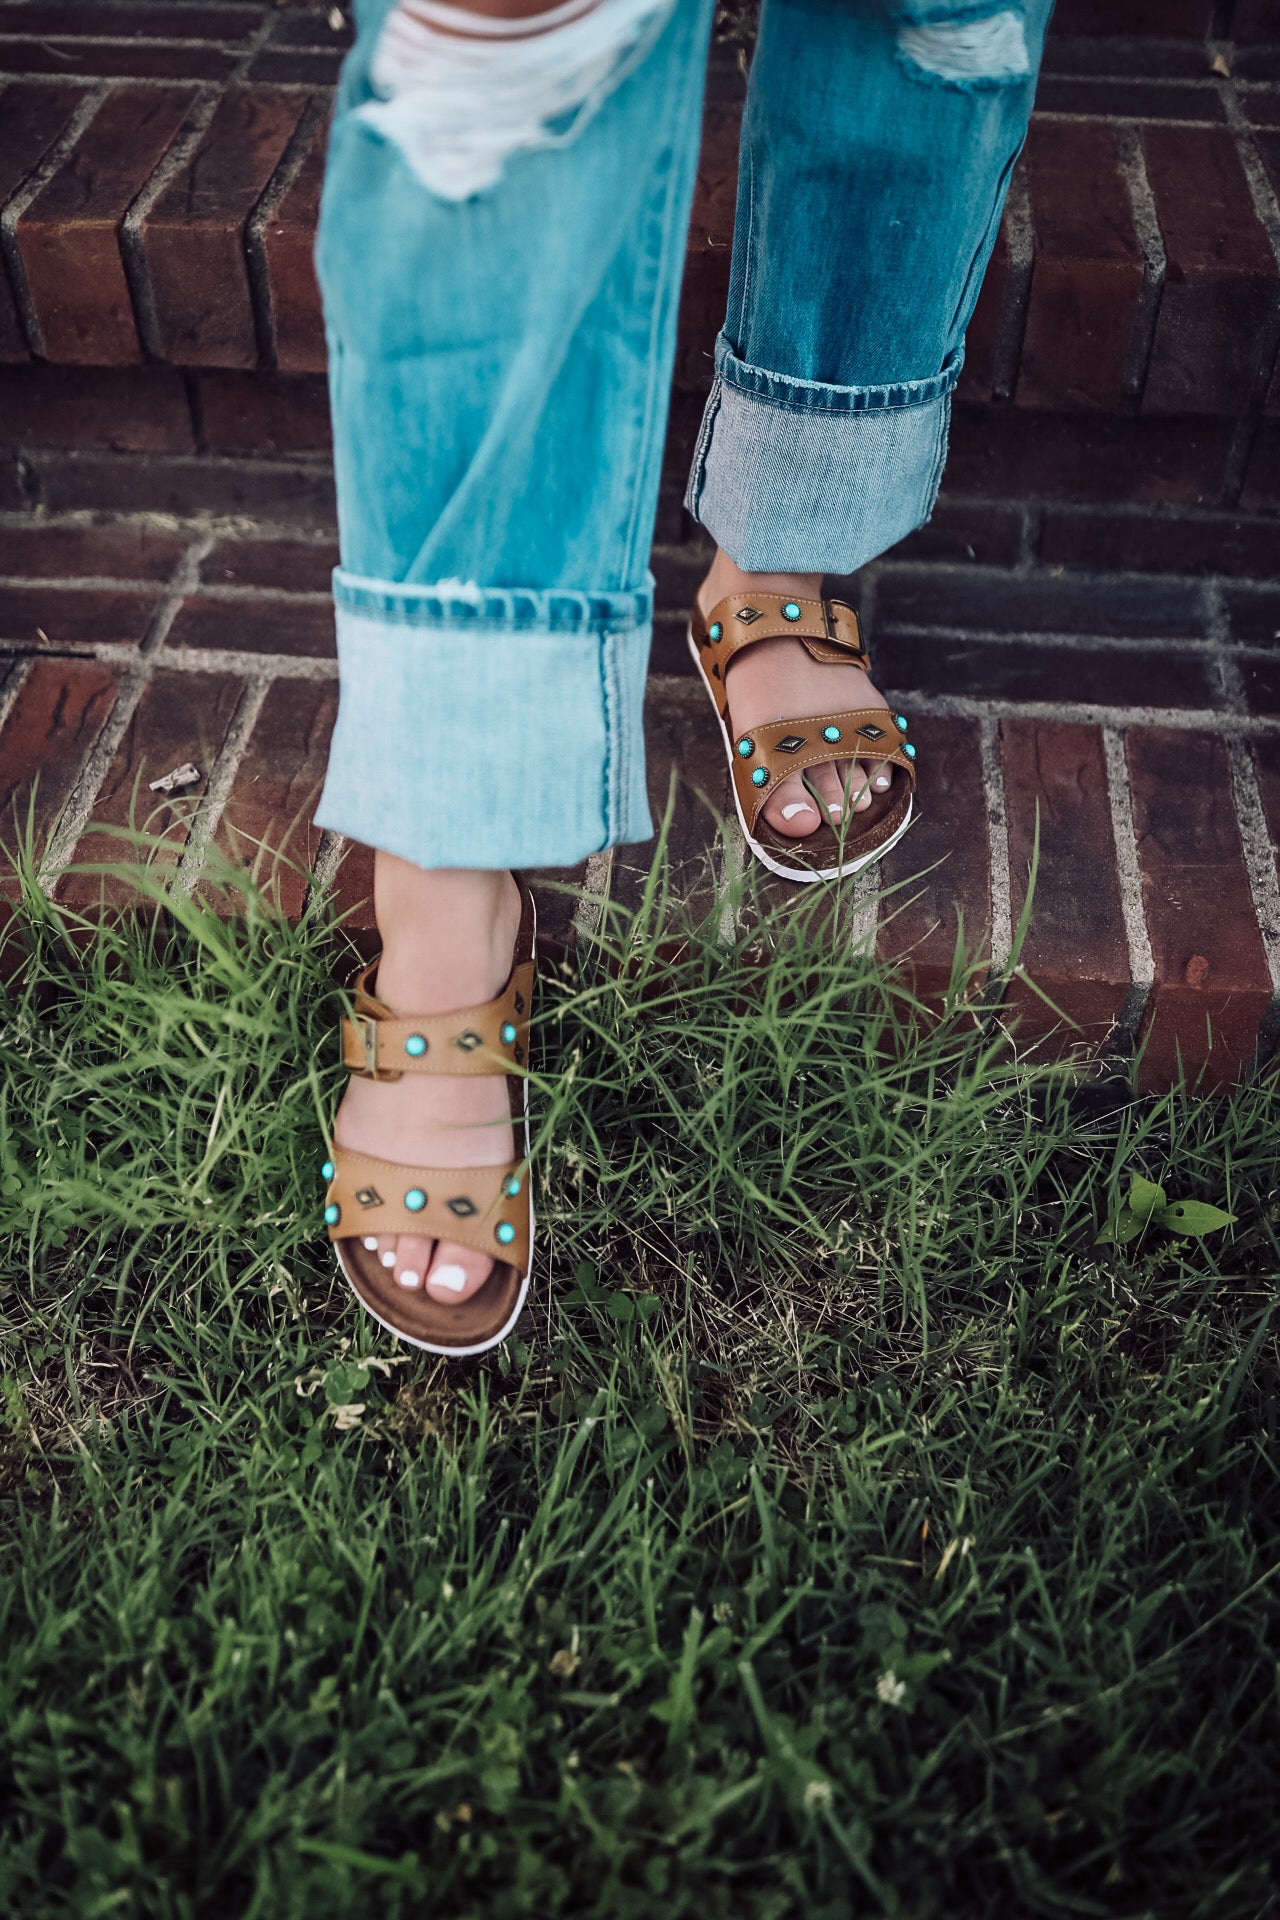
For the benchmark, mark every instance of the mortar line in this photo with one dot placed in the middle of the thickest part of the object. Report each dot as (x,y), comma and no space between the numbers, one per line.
(728,866)
(252,47)
(1142,205)
(998,855)
(595,884)
(220,782)
(288,168)
(171,163)
(132,685)
(1142,965)
(11,686)
(1267,208)
(27,193)
(325,866)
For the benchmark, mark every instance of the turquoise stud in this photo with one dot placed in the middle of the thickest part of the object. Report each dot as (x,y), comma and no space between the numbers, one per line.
(746,747)
(511,1187)
(415,1199)
(328,1170)
(909,750)
(791,611)
(900,722)
(831,733)
(715,630)
(332,1215)
(415,1046)
(505,1232)
(508,1033)
(759,777)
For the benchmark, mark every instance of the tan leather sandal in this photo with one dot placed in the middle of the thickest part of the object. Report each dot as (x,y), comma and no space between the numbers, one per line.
(758,760)
(487,1208)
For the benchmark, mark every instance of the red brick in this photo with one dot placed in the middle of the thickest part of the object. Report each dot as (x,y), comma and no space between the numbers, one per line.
(290,566)
(1262,474)
(978,531)
(1253,614)
(61,709)
(298,627)
(110,60)
(288,247)
(285,493)
(1014,453)
(1087,271)
(1266,762)
(704,295)
(1191,19)
(126,409)
(1221,288)
(265,413)
(1128,99)
(71,617)
(89,17)
(1159,542)
(993,600)
(1076,950)
(1210,966)
(296,67)
(352,889)
(122,550)
(1261,108)
(937,881)
(1261,684)
(181,716)
(995,670)
(69,237)
(1114,56)
(267,823)
(194,237)
(984,332)
(1254,20)
(310,26)
(32,117)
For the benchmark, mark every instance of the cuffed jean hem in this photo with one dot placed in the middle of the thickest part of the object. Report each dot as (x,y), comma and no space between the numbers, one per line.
(795,476)
(484,727)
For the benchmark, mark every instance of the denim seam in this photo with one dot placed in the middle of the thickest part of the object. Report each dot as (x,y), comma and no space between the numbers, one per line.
(495,610)
(698,467)
(852,413)
(815,396)
(614,770)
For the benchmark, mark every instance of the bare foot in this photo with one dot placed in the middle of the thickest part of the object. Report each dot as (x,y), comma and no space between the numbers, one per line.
(778,680)
(447,936)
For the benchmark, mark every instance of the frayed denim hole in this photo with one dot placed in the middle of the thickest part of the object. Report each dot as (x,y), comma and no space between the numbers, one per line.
(968,54)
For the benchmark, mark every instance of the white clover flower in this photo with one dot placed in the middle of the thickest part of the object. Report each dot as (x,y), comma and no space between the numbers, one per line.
(890,1689)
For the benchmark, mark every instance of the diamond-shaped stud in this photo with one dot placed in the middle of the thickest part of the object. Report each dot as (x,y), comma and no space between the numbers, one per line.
(461,1208)
(468,1041)
(519,1003)
(792,743)
(748,614)
(872,732)
(368,1196)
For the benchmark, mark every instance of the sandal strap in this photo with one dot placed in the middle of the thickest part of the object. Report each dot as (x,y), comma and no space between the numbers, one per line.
(782,747)
(484,1208)
(492,1037)
(828,630)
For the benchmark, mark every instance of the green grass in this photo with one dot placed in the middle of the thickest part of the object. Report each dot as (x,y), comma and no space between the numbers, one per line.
(845,1531)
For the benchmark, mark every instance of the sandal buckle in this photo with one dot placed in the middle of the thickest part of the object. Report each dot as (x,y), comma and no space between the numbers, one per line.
(367,1028)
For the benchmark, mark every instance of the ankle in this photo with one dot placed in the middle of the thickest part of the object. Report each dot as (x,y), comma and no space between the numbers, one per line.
(447,933)
(725,577)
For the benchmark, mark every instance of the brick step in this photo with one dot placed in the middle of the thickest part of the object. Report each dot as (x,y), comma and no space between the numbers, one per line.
(1135,717)
(160,167)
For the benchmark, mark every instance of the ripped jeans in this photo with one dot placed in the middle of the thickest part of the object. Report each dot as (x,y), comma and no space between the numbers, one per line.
(500,360)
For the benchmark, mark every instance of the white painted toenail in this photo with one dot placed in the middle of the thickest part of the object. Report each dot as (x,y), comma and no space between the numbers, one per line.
(388,1259)
(452,1279)
(797,806)
(371,1244)
(835,806)
(409,1278)
(881,781)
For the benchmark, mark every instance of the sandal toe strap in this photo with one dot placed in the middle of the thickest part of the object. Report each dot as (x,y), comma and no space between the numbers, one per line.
(484,1208)
(768,753)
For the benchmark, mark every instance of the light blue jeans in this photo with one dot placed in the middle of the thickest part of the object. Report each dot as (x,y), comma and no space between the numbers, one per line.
(500,368)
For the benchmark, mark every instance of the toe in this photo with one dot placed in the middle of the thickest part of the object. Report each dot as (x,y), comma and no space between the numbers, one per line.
(856,789)
(830,781)
(791,808)
(881,776)
(413,1257)
(456,1273)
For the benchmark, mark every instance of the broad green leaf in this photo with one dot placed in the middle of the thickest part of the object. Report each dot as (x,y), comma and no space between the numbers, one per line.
(1123,1226)
(1194,1218)
(1144,1198)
